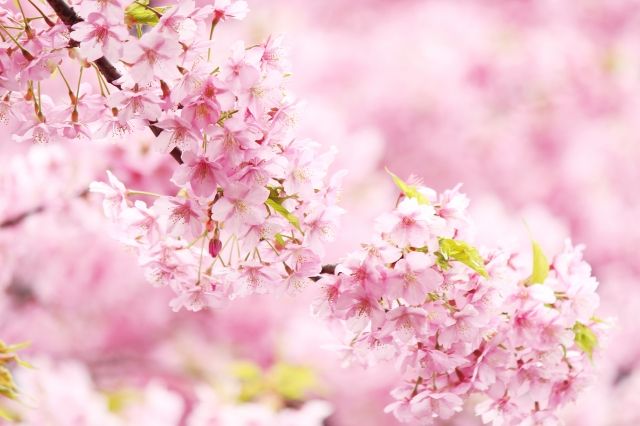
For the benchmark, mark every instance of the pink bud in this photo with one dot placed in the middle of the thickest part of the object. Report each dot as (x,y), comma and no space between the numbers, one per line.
(215,245)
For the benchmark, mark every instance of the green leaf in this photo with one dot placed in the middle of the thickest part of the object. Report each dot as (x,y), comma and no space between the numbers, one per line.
(280,240)
(411,191)
(224,116)
(14,347)
(251,379)
(139,12)
(8,415)
(246,370)
(286,381)
(442,262)
(585,338)
(275,205)
(540,266)
(291,382)
(451,249)
(119,400)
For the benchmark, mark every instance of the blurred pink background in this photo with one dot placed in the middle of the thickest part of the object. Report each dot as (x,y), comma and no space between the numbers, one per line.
(533,105)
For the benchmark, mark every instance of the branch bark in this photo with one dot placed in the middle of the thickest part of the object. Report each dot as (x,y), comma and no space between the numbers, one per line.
(64,12)
(17,219)
(69,17)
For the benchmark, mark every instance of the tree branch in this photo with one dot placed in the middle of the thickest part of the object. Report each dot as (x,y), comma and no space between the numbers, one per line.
(328,269)
(17,219)
(106,68)
(64,12)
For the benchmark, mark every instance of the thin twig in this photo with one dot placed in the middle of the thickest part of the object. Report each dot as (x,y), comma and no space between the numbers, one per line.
(17,219)
(326,269)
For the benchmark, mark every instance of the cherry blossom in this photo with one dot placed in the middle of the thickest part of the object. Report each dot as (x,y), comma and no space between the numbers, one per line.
(201,173)
(99,37)
(151,57)
(464,321)
(253,204)
(226,9)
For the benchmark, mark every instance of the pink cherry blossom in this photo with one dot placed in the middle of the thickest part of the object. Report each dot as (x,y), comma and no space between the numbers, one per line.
(115,195)
(98,37)
(411,224)
(240,206)
(229,9)
(457,326)
(178,134)
(251,206)
(141,102)
(254,278)
(151,57)
(201,173)
(109,8)
(414,278)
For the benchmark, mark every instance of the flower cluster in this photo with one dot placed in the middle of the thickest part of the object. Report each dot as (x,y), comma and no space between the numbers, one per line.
(238,238)
(252,208)
(460,321)
(155,57)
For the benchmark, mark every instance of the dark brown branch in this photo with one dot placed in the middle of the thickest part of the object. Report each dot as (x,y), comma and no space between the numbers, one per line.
(109,72)
(326,269)
(17,219)
(64,12)
(106,68)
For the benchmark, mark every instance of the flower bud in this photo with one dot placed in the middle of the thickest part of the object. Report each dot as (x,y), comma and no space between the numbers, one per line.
(215,245)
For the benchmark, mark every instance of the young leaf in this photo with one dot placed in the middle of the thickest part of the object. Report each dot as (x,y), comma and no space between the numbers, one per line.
(585,338)
(119,400)
(7,415)
(462,252)
(291,382)
(251,378)
(280,242)
(410,191)
(284,213)
(540,266)
(442,262)
(139,12)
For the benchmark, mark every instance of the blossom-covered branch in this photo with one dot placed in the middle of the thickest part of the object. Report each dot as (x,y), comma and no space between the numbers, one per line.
(462,321)
(253,206)
(70,18)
